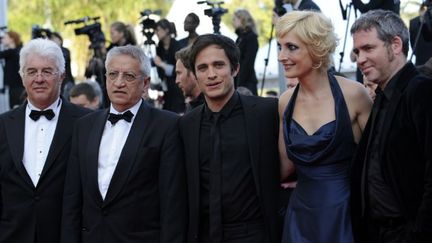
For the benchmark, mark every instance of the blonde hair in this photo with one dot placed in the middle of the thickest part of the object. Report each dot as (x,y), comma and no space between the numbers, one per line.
(315,30)
(246,20)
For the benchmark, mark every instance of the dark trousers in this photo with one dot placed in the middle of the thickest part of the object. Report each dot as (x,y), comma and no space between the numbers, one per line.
(245,232)
(388,231)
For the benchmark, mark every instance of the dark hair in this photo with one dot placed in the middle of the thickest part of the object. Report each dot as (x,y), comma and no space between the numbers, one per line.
(15,37)
(83,89)
(170,26)
(387,24)
(183,56)
(127,30)
(195,19)
(230,48)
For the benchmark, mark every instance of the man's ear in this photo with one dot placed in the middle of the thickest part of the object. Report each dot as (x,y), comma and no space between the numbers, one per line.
(236,70)
(397,45)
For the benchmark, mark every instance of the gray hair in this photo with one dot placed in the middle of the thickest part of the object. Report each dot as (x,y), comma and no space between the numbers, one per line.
(387,24)
(44,48)
(133,51)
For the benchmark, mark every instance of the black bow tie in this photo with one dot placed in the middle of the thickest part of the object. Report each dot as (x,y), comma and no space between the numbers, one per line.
(114,118)
(35,115)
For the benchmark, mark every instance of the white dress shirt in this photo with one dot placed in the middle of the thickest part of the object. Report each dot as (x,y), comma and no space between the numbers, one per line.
(38,136)
(111,145)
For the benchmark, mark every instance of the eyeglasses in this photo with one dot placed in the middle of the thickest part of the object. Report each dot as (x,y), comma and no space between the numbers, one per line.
(44,73)
(126,76)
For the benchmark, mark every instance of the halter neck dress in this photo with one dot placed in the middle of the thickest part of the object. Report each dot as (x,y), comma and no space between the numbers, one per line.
(318,211)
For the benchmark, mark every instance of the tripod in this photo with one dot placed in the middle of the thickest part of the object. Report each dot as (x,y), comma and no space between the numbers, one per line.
(346,10)
(266,60)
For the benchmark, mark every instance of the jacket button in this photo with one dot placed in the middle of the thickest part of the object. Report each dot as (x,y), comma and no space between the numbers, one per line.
(83,229)
(36,198)
(105,212)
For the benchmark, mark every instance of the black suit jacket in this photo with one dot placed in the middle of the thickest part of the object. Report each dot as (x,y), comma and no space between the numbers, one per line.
(261,116)
(406,156)
(146,199)
(28,212)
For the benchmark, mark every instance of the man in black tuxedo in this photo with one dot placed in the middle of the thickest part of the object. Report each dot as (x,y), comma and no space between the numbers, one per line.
(34,148)
(126,179)
(392,169)
(231,153)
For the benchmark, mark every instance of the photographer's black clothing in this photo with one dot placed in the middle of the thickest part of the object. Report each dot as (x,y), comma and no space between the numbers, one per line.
(392,5)
(247,42)
(11,75)
(308,5)
(173,97)
(423,48)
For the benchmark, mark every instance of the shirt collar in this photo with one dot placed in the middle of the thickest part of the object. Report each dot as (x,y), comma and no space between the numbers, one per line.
(55,106)
(134,109)
(388,90)
(229,106)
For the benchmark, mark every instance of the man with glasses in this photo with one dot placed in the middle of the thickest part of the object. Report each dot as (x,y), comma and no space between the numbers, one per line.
(126,178)
(34,148)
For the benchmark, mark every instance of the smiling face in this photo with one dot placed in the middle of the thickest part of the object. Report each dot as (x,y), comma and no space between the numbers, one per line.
(375,58)
(126,89)
(42,80)
(214,74)
(294,56)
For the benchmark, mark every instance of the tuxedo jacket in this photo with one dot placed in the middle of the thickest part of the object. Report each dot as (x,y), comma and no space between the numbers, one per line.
(30,213)
(261,117)
(406,155)
(146,198)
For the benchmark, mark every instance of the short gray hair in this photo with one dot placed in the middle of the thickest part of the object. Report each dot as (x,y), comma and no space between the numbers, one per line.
(133,51)
(387,24)
(44,48)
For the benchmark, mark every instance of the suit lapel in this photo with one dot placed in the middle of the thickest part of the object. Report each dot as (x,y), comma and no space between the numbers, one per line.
(15,127)
(62,135)
(253,139)
(401,84)
(92,154)
(193,148)
(129,152)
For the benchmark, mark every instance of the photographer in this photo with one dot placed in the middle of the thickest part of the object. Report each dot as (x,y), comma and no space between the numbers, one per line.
(121,35)
(68,81)
(422,48)
(165,62)
(12,43)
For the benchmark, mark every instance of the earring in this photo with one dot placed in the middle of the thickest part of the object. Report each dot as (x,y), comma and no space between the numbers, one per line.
(316,66)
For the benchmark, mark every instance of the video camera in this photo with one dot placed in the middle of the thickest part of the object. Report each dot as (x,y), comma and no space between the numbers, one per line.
(149,24)
(93,31)
(215,12)
(38,32)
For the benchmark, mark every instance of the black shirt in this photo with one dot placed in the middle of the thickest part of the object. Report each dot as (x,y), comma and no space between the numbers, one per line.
(382,201)
(239,196)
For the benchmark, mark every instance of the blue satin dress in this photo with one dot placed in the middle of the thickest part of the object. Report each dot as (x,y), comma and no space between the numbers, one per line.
(318,211)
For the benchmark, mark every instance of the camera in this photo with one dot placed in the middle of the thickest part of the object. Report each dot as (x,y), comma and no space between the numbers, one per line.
(93,31)
(215,12)
(38,32)
(148,24)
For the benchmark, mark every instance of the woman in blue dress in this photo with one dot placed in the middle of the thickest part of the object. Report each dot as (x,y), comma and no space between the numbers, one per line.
(321,121)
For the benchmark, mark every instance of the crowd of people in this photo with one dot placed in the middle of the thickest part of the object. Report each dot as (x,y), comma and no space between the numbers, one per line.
(215,164)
